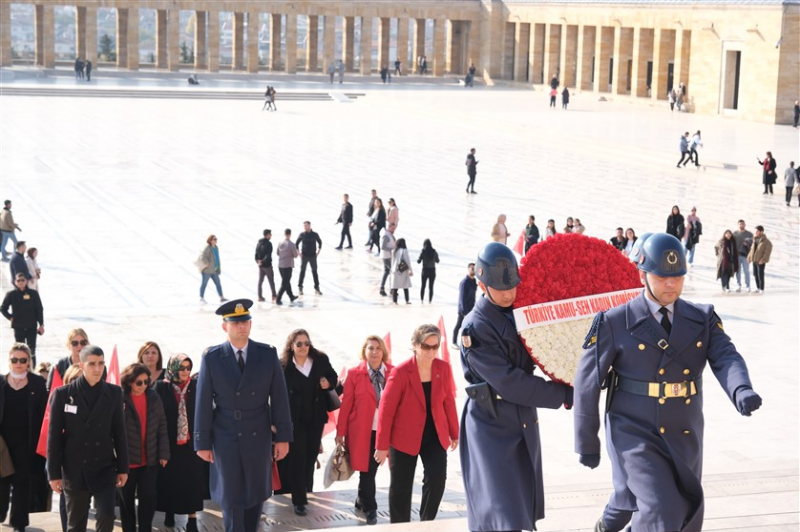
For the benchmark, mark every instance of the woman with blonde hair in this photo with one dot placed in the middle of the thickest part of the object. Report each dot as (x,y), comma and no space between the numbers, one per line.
(358,419)
(77,339)
(211,269)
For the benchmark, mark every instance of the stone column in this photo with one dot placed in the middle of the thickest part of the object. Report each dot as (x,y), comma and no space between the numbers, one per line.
(252,42)
(161,38)
(328,41)
(365,68)
(200,40)
(682,47)
(473,46)
(348,43)
(522,42)
(275,27)
(402,46)
(173,39)
(536,60)
(312,43)
(586,45)
(133,38)
(5,34)
(642,52)
(623,48)
(44,28)
(290,63)
(238,41)
(602,54)
(213,40)
(419,42)
(384,28)
(80,31)
(438,46)
(569,59)
(552,51)
(122,37)
(90,35)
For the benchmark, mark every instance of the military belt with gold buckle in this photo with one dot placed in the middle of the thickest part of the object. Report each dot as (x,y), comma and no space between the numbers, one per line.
(667,390)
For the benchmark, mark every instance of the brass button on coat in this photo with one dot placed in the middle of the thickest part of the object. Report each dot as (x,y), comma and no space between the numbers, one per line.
(524,425)
(699,344)
(661,371)
(688,401)
(661,400)
(687,432)
(686,372)
(662,430)
(641,347)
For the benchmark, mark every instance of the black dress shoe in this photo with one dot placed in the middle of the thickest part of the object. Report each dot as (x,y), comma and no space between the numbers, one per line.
(372,517)
(300,509)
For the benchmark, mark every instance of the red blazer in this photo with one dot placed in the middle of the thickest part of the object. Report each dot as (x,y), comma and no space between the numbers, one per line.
(356,414)
(401,417)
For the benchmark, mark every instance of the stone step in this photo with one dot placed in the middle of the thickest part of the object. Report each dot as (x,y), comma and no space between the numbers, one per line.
(196,94)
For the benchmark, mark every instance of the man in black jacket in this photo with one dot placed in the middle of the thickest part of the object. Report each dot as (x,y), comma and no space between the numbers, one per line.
(346,219)
(87,446)
(27,316)
(311,246)
(264,261)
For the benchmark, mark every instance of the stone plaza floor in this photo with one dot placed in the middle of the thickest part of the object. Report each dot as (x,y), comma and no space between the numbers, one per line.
(119,195)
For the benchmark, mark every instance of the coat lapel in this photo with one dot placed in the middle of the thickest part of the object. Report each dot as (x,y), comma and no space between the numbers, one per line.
(416,382)
(636,314)
(75,397)
(687,325)
(101,402)
(250,364)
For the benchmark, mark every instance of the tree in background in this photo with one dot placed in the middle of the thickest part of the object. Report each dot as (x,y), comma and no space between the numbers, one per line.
(108,49)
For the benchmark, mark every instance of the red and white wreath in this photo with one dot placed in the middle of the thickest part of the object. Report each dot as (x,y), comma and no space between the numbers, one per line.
(564,282)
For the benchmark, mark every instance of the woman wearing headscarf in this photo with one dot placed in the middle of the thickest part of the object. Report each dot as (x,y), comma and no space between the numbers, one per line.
(182,483)
(148,449)
(309,378)
(23,400)
(358,419)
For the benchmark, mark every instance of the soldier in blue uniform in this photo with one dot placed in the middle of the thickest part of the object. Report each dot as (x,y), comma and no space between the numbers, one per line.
(501,456)
(241,394)
(650,355)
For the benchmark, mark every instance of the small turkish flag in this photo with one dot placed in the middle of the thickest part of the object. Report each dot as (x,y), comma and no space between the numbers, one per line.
(113,368)
(444,352)
(519,247)
(41,448)
(388,341)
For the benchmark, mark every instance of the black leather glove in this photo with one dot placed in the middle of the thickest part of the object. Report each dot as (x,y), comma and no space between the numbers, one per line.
(569,392)
(590,460)
(747,401)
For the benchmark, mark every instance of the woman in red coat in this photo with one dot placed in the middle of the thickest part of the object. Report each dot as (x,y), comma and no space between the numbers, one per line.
(417,417)
(358,419)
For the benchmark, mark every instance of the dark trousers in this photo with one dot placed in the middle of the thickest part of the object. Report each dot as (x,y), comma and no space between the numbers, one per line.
(471,183)
(694,157)
(303,452)
(387,267)
(768,188)
(266,271)
(366,481)
(346,234)
(394,294)
(305,261)
(242,519)
(142,483)
(434,462)
(457,329)
(28,336)
(428,276)
(286,283)
(725,277)
(789,195)
(375,238)
(78,509)
(758,272)
(685,155)
(20,450)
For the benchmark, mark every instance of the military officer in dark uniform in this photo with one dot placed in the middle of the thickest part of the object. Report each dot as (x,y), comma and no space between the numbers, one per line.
(241,393)
(501,455)
(650,354)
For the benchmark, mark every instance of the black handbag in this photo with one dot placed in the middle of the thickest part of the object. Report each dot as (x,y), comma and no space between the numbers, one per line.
(334,403)
(402,266)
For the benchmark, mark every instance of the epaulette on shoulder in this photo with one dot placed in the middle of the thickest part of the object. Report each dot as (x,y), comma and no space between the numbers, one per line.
(591,336)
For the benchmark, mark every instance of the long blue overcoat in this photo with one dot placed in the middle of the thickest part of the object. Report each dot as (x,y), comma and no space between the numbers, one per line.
(501,459)
(655,446)
(233,415)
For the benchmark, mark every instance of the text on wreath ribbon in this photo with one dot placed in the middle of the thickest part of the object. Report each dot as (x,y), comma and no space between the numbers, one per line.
(570,309)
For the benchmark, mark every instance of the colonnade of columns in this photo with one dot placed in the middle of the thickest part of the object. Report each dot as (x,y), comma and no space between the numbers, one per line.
(454,42)
(643,62)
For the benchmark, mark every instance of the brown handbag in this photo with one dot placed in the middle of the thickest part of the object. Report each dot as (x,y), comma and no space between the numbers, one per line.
(6,465)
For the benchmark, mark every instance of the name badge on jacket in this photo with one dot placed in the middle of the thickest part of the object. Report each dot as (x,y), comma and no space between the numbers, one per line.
(71,409)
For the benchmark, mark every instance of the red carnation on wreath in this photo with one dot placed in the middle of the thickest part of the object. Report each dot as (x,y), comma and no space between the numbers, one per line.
(564,281)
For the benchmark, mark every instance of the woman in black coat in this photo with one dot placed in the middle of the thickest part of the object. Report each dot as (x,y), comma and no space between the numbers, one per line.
(377,222)
(309,378)
(182,485)
(768,176)
(23,399)
(147,452)
(675,225)
(428,257)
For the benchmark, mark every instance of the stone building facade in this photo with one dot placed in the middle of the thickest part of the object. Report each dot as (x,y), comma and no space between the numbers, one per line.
(738,58)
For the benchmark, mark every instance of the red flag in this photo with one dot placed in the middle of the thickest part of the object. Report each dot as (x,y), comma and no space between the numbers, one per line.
(113,369)
(444,352)
(333,417)
(41,448)
(388,341)
(519,247)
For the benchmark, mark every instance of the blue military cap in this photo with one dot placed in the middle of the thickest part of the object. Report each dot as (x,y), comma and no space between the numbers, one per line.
(236,310)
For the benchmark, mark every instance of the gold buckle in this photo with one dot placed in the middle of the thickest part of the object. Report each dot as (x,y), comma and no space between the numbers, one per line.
(663,344)
(654,389)
(676,389)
